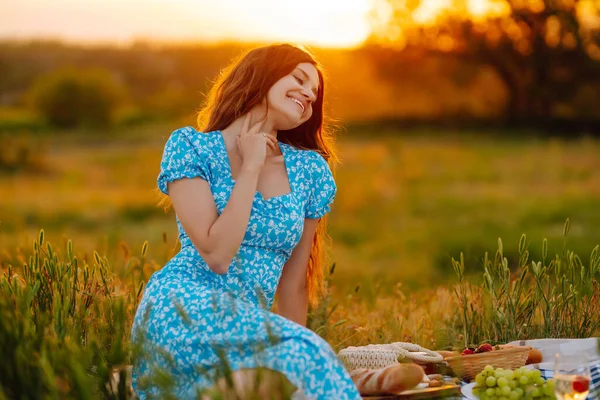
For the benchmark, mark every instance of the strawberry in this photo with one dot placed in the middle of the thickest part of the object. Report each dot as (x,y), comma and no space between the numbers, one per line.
(467,352)
(581,384)
(484,348)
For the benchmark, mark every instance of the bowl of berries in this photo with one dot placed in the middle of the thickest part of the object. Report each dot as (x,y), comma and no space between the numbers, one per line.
(473,360)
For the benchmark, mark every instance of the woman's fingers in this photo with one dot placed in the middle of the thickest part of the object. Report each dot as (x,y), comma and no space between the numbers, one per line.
(246,130)
(272,141)
(257,127)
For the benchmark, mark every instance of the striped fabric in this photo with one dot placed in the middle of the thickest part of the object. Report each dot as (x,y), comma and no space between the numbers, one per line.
(594,384)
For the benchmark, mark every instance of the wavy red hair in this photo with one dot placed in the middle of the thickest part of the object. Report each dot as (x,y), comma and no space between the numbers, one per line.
(242,85)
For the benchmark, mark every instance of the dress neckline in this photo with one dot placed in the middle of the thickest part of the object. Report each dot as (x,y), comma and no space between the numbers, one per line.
(257,194)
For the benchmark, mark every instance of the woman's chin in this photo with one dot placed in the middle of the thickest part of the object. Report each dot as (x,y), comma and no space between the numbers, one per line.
(288,123)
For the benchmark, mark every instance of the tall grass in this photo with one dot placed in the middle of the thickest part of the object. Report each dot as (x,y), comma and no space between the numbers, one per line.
(65,322)
(64,326)
(556,297)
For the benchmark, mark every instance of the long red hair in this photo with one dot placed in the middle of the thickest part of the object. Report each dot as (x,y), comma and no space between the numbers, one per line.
(243,84)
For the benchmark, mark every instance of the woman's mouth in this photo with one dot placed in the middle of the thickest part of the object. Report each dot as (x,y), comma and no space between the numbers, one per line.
(298,102)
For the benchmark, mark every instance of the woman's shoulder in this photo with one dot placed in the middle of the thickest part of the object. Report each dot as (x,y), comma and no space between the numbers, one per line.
(190,133)
(184,156)
(314,163)
(188,136)
(306,154)
(316,159)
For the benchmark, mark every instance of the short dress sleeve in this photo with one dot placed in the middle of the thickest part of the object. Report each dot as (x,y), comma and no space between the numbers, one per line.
(322,188)
(184,156)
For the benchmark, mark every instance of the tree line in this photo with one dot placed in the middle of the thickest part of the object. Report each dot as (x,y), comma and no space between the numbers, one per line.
(536,64)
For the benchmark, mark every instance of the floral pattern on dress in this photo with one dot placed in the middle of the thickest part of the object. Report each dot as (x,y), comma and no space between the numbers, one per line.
(188,314)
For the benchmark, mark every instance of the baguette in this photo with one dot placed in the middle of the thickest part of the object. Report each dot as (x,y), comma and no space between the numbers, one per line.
(392,379)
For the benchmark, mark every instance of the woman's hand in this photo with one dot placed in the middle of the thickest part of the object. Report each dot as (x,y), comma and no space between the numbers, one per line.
(252,144)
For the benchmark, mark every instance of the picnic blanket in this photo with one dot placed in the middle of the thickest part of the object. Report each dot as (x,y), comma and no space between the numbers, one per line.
(549,347)
(594,384)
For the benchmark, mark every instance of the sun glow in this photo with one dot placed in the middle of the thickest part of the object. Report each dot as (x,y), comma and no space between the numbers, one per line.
(328,23)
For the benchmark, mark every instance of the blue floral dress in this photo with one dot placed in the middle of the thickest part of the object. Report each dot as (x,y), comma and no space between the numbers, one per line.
(190,316)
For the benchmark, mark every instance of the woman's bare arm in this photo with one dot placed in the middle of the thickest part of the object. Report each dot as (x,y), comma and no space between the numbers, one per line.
(217,238)
(292,295)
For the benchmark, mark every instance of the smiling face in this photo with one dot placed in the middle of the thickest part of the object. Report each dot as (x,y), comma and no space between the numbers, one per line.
(291,98)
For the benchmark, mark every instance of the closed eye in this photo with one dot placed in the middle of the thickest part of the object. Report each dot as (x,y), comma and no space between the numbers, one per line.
(299,80)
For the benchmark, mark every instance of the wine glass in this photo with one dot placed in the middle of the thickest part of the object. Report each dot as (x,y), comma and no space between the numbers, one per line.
(571,376)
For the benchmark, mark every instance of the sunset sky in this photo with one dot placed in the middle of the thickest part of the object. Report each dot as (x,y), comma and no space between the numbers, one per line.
(323,22)
(338,23)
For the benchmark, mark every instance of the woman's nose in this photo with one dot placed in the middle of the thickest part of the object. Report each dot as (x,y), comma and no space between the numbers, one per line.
(310,95)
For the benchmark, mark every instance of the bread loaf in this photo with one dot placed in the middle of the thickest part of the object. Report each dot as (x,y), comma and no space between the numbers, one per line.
(534,357)
(389,380)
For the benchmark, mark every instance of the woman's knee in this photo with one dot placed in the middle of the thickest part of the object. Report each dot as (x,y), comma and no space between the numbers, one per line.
(249,383)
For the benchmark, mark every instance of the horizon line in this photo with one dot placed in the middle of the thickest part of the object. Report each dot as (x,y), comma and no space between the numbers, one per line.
(157,42)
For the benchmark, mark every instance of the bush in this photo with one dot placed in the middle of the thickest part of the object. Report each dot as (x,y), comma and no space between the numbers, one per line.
(69,98)
(22,152)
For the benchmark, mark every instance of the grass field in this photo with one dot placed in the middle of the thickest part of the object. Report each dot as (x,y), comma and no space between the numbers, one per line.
(407,205)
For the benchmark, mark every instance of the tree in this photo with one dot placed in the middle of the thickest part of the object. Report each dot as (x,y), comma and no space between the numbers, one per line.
(546,52)
(69,97)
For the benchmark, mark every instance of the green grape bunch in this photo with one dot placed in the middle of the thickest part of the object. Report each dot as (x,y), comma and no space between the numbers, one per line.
(506,384)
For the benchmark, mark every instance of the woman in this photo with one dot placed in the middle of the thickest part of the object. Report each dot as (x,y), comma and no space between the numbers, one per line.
(249,192)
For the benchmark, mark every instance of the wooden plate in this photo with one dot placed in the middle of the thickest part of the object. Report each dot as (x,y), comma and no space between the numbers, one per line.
(426,393)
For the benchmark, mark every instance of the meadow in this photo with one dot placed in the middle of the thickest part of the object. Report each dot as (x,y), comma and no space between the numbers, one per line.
(408,204)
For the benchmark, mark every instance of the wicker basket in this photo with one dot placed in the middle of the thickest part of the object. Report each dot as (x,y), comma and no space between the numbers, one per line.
(468,366)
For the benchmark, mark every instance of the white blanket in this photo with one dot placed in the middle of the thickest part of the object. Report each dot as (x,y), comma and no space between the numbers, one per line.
(549,348)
